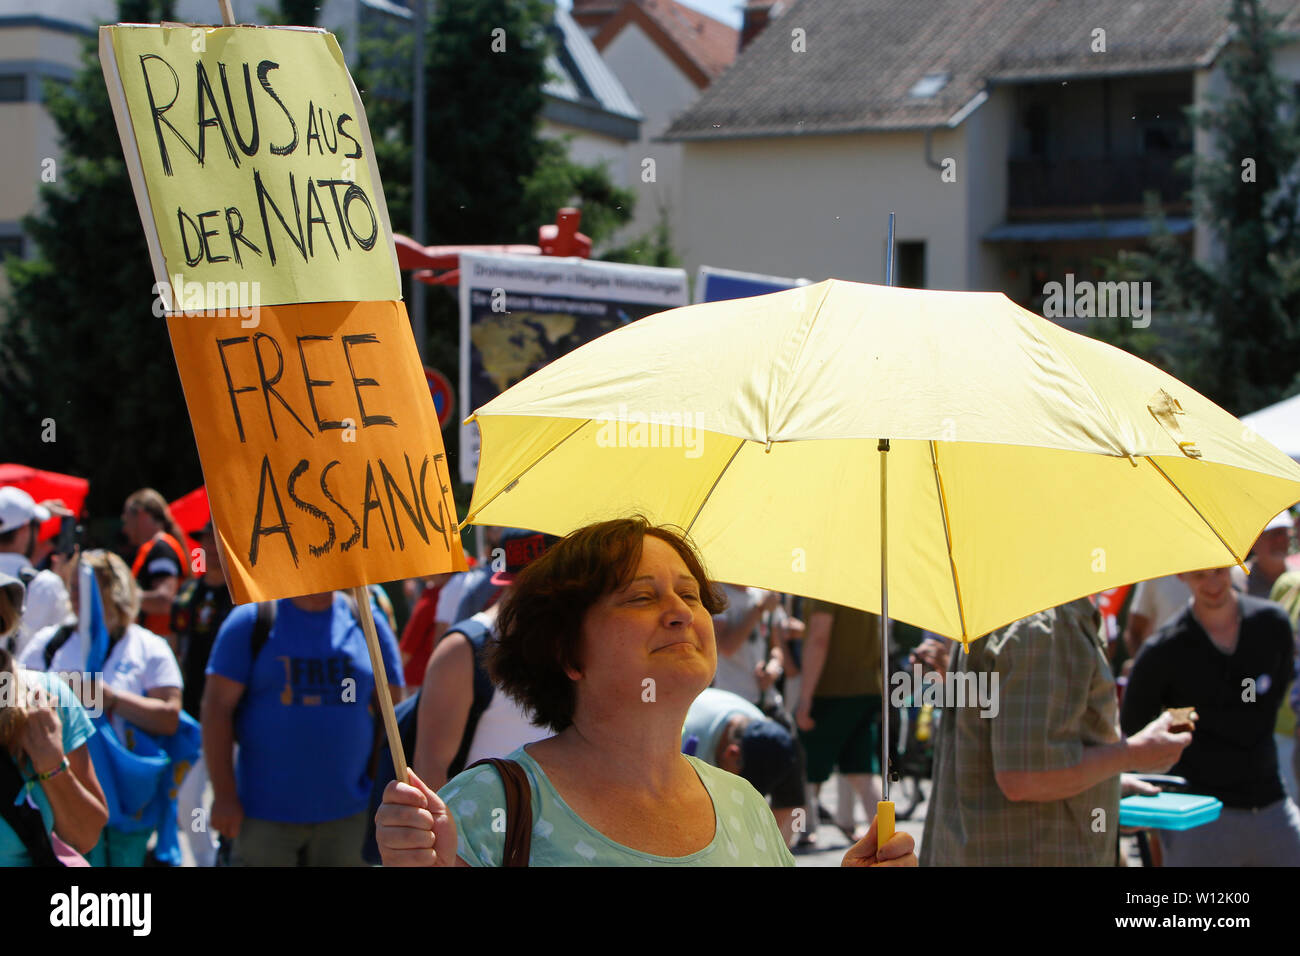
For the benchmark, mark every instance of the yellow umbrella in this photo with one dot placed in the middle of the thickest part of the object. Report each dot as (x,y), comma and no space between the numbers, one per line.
(1027,465)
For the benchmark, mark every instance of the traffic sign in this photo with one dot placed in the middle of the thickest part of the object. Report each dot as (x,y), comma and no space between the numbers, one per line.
(444,400)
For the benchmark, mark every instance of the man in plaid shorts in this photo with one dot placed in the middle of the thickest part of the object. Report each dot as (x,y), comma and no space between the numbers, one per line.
(1037,782)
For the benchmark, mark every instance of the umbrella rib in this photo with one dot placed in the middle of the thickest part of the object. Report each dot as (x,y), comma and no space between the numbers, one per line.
(696,516)
(515,480)
(947,536)
(1172,484)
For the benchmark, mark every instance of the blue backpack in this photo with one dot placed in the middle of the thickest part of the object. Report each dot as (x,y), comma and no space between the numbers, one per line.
(407,713)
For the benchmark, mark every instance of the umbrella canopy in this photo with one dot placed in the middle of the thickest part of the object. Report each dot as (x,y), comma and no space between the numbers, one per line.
(44,485)
(1027,465)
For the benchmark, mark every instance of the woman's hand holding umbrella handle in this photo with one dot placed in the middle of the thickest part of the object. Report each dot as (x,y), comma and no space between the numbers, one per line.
(899,850)
(413,827)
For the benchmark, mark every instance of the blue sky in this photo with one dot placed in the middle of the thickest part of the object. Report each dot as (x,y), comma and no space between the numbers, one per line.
(728,11)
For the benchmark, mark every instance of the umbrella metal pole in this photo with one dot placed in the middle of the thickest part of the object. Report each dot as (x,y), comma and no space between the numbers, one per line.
(889,260)
(885,808)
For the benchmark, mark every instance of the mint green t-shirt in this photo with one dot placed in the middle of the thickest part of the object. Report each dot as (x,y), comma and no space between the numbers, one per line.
(77,729)
(746,833)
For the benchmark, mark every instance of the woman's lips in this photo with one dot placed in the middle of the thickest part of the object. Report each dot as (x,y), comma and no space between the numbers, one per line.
(681,643)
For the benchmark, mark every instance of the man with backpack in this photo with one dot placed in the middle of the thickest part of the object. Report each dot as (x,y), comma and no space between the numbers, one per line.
(291,680)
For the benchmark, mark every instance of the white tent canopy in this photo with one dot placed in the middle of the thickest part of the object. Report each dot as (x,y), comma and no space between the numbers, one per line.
(1279,425)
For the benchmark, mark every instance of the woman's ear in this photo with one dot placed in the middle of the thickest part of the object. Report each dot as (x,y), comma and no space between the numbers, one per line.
(572,672)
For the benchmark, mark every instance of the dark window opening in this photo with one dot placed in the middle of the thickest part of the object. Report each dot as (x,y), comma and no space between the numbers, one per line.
(13,88)
(909,265)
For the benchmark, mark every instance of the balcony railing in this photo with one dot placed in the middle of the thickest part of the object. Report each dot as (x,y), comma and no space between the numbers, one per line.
(1103,181)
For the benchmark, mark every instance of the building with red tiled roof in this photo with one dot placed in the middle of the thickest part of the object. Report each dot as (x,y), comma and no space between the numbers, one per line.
(700,46)
(665,54)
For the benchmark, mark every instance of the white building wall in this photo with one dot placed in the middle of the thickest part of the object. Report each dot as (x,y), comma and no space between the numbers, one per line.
(988,135)
(592,149)
(662,92)
(818,206)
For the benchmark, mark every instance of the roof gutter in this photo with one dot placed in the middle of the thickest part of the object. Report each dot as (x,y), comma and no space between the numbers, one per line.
(953,121)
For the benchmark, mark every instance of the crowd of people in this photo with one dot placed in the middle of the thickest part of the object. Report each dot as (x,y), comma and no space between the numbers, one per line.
(597,699)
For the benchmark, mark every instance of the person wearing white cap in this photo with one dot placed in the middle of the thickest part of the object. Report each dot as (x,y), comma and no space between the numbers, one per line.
(47,597)
(1268,558)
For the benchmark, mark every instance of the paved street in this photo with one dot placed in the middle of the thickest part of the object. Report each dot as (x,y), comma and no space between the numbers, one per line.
(832,841)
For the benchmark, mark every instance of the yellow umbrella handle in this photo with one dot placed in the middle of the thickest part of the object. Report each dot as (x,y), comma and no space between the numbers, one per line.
(884,823)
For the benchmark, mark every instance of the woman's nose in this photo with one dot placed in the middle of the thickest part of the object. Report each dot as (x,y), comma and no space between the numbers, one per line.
(677,610)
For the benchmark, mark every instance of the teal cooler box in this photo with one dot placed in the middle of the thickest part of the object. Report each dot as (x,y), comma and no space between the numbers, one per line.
(1169,811)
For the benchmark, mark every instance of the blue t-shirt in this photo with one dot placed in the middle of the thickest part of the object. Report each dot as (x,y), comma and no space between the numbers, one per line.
(77,729)
(305,725)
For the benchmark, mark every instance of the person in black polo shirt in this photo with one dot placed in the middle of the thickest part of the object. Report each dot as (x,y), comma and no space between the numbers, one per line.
(1229,656)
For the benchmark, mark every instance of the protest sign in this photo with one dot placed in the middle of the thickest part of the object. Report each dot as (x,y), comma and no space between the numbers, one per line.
(252,166)
(518,313)
(320,447)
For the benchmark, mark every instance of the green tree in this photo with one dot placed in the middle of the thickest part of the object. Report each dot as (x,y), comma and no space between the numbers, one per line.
(491,176)
(79,344)
(298,13)
(653,248)
(1244,190)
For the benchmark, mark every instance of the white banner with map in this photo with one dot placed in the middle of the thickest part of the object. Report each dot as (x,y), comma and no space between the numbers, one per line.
(519,313)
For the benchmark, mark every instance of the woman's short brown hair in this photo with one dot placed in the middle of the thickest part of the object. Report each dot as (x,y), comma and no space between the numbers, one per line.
(539,626)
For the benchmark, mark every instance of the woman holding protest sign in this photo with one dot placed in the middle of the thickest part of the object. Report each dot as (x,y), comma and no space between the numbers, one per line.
(608,638)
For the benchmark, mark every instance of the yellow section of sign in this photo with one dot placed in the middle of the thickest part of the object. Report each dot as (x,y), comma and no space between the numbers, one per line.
(320,446)
(251,158)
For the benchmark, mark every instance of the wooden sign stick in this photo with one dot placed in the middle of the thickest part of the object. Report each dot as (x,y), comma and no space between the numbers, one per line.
(227,13)
(362,596)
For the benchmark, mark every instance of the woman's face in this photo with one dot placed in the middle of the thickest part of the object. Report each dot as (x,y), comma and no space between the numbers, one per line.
(114,619)
(652,639)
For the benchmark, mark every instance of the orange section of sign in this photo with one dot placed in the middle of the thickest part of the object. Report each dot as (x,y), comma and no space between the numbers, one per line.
(320,446)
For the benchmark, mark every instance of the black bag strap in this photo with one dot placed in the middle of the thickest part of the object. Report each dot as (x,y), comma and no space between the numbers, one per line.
(261,631)
(519,810)
(25,820)
(56,641)
(477,634)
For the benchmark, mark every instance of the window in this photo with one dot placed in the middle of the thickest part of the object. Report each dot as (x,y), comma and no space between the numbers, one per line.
(1162,126)
(928,85)
(1036,129)
(909,265)
(13,88)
